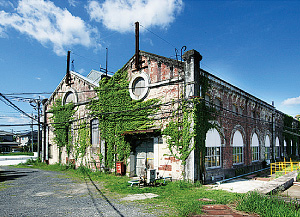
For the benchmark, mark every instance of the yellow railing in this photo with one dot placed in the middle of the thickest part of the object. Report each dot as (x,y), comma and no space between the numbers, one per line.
(284,167)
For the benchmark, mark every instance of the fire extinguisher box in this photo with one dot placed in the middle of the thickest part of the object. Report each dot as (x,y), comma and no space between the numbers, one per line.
(120,167)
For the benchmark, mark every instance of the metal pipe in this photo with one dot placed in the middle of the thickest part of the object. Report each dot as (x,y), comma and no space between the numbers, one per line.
(225,180)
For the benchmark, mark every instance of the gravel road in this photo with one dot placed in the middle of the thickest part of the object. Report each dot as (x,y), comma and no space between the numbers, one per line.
(33,192)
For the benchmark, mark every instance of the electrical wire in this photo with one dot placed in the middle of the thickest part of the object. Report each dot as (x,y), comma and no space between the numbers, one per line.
(159,36)
(10,104)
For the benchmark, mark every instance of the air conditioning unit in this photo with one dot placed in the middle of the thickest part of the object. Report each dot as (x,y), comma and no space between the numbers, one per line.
(151,175)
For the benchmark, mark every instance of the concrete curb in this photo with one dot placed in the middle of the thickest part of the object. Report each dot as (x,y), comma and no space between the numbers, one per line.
(14,160)
(279,184)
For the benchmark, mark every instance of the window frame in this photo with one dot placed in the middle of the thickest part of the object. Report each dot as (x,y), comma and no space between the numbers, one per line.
(255,148)
(213,148)
(267,148)
(95,132)
(237,149)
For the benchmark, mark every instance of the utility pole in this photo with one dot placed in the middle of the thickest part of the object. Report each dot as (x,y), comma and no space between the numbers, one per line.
(137,46)
(273,133)
(106,62)
(38,110)
(37,106)
(68,75)
(32,134)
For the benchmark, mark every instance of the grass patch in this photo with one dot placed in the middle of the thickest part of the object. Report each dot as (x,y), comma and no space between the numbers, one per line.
(267,206)
(177,198)
(16,153)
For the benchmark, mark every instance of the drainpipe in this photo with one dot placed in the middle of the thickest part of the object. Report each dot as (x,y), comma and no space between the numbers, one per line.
(273,133)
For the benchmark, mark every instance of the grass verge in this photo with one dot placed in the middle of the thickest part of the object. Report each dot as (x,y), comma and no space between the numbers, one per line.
(267,206)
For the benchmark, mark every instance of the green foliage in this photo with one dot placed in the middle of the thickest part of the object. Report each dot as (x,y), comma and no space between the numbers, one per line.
(35,162)
(62,116)
(83,141)
(179,136)
(118,113)
(267,206)
(199,118)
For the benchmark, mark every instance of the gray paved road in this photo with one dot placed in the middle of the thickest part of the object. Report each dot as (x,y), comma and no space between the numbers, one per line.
(32,192)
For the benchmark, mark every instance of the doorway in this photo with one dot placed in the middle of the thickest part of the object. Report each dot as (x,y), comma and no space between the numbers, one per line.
(144,156)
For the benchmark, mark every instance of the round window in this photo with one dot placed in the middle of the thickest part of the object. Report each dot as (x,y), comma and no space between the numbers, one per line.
(138,86)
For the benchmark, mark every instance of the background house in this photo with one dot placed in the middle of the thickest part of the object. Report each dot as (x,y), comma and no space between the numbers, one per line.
(8,142)
(27,140)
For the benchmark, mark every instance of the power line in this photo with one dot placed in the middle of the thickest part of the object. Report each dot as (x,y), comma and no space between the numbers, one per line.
(91,60)
(29,93)
(9,103)
(159,36)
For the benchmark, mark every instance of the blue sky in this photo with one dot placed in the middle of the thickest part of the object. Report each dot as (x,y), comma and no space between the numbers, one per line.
(252,44)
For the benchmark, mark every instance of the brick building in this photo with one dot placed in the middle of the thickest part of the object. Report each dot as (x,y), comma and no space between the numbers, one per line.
(247,133)
(80,91)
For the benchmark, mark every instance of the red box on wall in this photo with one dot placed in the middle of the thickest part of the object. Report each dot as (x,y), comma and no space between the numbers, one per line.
(120,168)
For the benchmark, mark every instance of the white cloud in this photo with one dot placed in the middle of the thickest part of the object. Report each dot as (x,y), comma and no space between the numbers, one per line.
(292,101)
(2,33)
(49,24)
(38,78)
(120,15)
(16,120)
(73,3)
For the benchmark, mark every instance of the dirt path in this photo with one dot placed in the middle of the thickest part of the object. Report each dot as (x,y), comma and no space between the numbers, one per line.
(33,192)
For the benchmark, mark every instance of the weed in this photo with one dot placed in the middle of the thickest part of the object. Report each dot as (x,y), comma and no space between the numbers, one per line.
(267,206)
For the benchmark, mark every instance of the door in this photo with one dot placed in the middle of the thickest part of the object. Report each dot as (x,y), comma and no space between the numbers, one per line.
(144,157)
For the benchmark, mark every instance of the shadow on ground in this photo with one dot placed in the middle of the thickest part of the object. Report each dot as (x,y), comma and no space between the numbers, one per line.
(8,175)
(103,196)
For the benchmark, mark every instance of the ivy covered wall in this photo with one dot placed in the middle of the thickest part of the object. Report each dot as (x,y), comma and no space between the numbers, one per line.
(118,113)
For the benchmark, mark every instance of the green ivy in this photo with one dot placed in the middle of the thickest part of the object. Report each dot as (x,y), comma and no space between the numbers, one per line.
(83,141)
(197,118)
(118,113)
(179,135)
(62,117)
(204,116)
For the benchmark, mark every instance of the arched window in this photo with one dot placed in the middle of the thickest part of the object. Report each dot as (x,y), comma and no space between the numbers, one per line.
(213,149)
(277,148)
(267,148)
(284,148)
(70,97)
(255,147)
(237,149)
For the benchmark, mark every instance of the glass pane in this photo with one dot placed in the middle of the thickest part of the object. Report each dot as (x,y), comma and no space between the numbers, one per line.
(138,86)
